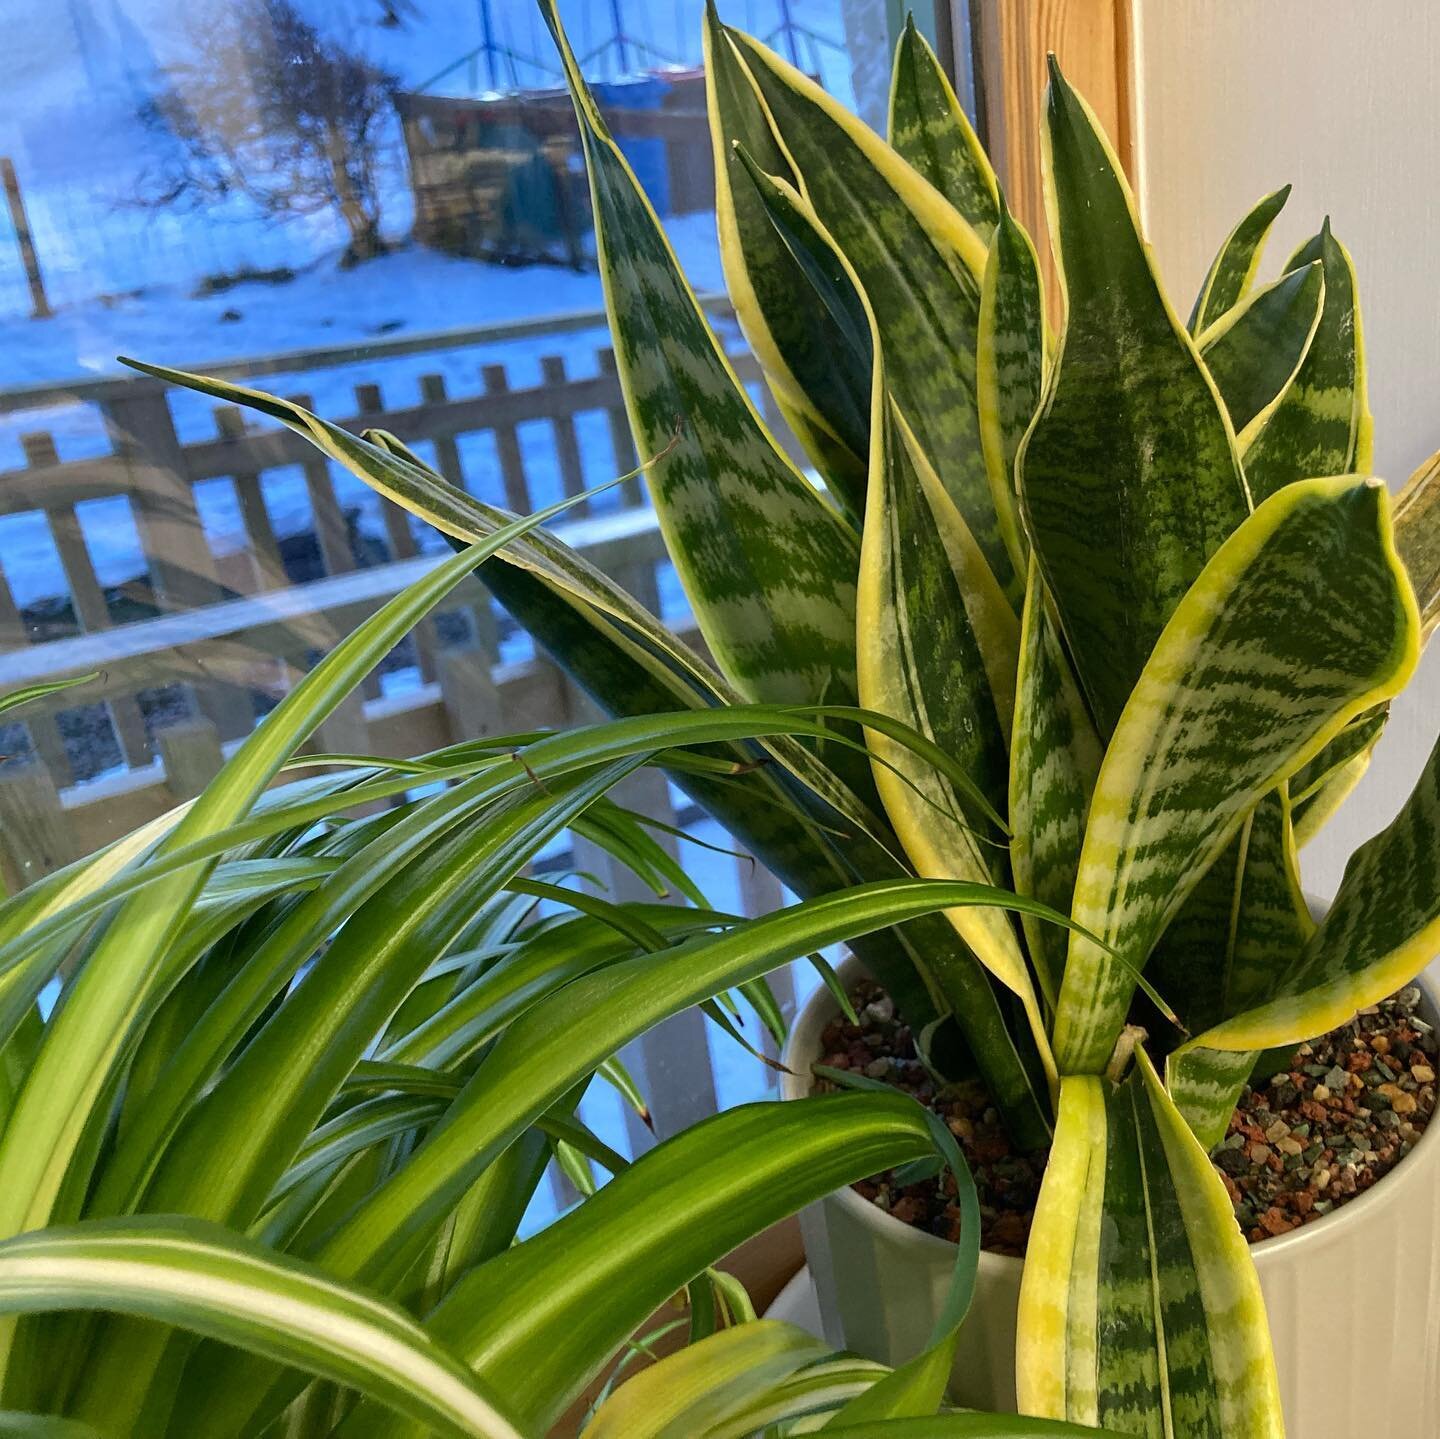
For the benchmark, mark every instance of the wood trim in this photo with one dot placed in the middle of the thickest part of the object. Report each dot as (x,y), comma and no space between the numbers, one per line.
(1094,42)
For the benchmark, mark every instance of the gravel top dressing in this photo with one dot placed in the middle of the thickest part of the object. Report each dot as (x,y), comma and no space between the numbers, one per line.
(1329,1122)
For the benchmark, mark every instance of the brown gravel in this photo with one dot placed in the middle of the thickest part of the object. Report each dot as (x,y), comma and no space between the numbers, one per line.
(1340,1115)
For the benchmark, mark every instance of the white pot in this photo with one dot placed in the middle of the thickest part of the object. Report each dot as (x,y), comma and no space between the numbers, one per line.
(1353,1299)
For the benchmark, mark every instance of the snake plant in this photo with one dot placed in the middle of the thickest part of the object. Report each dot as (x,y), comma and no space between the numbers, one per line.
(1132,585)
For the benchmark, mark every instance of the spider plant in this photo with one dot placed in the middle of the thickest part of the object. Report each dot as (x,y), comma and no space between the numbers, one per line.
(266,1146)
(1133,582)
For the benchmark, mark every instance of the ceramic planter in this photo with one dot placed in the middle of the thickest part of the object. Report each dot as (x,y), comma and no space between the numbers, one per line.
(1353,1299)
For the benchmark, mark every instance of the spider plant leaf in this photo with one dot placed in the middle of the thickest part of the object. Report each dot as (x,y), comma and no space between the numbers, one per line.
(706,1383)
(17,1425)
(74,1065)
(779,280)
(966,1426)
(1129,478)
(1382,930)
(540,1056)
(1054,758)
(1322,425)
(683,1205)
(1232,271)
(769,567)
(13,700)
(1140,1309)
(1309,585)
(1254,351)
(918,262)
(929,128)
(213,1282)
(1009,369)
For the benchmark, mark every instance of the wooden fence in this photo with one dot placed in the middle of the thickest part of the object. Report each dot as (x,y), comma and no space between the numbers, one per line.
(200,644)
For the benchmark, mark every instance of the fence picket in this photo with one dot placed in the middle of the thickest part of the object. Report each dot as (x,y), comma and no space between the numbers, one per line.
(267,567)
(507,443)
(567,444)
(332,535)
(34,828)
(622,442)
(191,755)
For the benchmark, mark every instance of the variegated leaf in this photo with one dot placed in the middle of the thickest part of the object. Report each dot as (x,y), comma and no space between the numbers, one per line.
(1243,925)
(1325,783)
(1254,351)
(1232,271)
(1383,928)
(1129,480)
(769,567)
(1010,368)
(918,262)
(938,650)
(930,129)
(1302,621)
(1417,536)
(1054,758)
(808,355)
(1322,425)
(1139,1307)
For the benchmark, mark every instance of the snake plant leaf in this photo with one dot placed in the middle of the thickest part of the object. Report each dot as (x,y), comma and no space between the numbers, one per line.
(1244,924)
(1417,536)
(1054,759)
(1139,1305)
(1310,586)
(214,1282)
(1382,930)
(705,1384)
(1129,479)
(811,367)
(929,128)
(1009,368)
(1254,351)
(682,1206)
(1232,271)
(821,333)
(1327,781)
(1322,425)
(940,653)
(769,567)
(918,262)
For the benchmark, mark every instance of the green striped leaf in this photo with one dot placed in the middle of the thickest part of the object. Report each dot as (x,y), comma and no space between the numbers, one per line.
(938,650)
(1244,923)
(15,1425)
(1129,479)
(1417,536)
(1054,759)
(916,259)
(1323,785)
(678,1208)
(1232,271)
(1322,425)
(1010,368)
(1139,1306)
(1302,621)
(768,566)
(213,1282)
(807,351)
(1382,930)
(929,128)
(1254,351)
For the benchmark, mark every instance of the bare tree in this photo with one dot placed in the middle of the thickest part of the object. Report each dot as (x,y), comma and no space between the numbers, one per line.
(271,109)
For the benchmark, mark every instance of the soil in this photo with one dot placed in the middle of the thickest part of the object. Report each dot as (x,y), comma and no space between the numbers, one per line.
(1323,1128)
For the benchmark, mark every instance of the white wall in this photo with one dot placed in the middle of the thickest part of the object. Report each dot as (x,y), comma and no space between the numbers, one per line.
(1342,99)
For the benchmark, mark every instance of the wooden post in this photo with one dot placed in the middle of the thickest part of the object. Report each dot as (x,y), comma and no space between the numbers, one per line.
(190,751)
(472,703)
(567,444)
(507,443)
(331,533)
(34,828)
(622,443)
(39,301)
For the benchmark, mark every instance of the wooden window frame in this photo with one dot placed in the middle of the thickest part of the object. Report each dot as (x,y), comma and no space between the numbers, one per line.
(1094,41)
